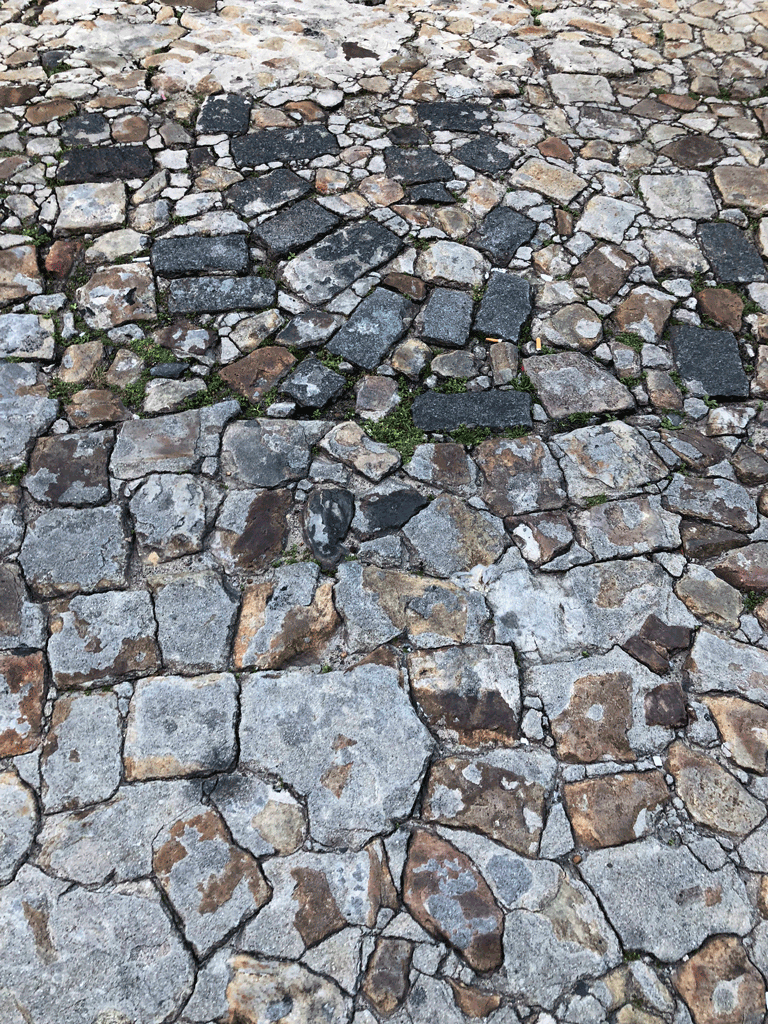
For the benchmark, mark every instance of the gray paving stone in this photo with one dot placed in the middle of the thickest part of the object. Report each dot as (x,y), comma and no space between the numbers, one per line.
(505,307)
(312,384)
(446,116)
(71,469)
(11,520)
(309,329)
(192,254)
(181,726)
(26,336)
(19,823)
(379,321)
(224,113)
(251,528)
(333,264)
(519,475)
(501,234)
(80,763)
(354,789)
(416,166)
(609,459)
(570,382)
(484,154)
(709,361)
(195,617)
(327,516)
(105,163)
(435,411)
(66,551)
(253,196)
(262,818)
(294,229)
(22,623)
(220,294)
(732,256)
(284,145)
(449,537)
(719,501)
(266,453)
(169,516)
(448,317)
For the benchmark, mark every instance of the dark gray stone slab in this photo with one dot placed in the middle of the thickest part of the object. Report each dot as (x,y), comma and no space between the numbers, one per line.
(303,223)
(693,151)
(313,384)
(334,263)
(414,166)
(710,359)
(501,234)
(408,135)
(453,117)
(284,144)
(309,329)
(327,516)
(448,317)
(192,254)
(219,294)
(253,196)
(435,411)
(71,469)
(484,154)
(505,307)
(111,163)
(379,321)
(431,192)
(732,255)
(224,113)
(379,512)
(85,130)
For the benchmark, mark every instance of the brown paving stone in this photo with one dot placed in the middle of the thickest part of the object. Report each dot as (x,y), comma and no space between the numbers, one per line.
(744,727)
(22,694)
(713,797)
(721,305)
(614,809)
(254,375)
(48,110)
(720,985)
(386,980)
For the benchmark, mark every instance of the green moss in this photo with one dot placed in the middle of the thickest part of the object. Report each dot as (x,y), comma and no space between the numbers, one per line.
(596,499)
(452,386)
(631,340)
(62,391)
(752,599)
(397,428)
(14,477)
(470,436)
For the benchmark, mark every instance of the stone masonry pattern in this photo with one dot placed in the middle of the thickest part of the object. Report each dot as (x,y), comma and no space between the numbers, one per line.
(383,512)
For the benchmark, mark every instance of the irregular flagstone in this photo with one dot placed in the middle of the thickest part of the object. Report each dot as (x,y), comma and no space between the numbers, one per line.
(312,384)
(118,295)
(262,818)
(350,742)
(22,623)
(720,501)
(645,311)
(71,469)
(303,143)
(504,308)
(719,983)
(258,987)
(212,884)
(450,537)
(607,218)
(387,510)
(682,901)
(574,326)
(598,706)
(453,117)
(22,693)
(709,362)
(447,317)
(449,897)
(377,323)
(501,795)
(569,382)
(709,598)
(256,195)
(90,207)
(519,476)
(609,460)
(416,166)
(224,113)
(181,726)
(553,181)
(542,536)
(327,517)
(445,466)
(746,568)
(19,823)
(195,618)
(468,695)
(668,196)
(712,796)
(716,663)
(634,526)
(605,269)
(251,528)
(169,516)
(19,274)
(614,809)
(265,453)
(101,637)
(330,266)
(66,551)
(113,839)
(283,619)
(744,186)
(743,726)
(451,263)
(387,975)
(591,607)
(26,336)
(501,234)
(693,151)
(348,443)
(108,936)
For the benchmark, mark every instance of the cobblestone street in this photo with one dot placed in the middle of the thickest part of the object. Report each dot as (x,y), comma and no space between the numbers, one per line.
(383,512)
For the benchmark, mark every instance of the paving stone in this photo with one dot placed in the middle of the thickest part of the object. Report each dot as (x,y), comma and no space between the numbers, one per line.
(581,88)
(572,326)
(85,130)
(607,218)
(181,726)
(435,411)
(224,113)
(251,528)
(555,182)
(257,987)
(555,619)
(19,826)
(377,323)
(262,818)
(347,443)
(11,519)
(22,692)
(744,728)
(519,476)
(253,330)
(312,384)
(451,263)
(449,537)
(90,207)
(712,796)
(501,795)
(309,329)
(484,154)
(746,569)
(620,529)
(605,269)
(719,501)
(107,935)
(501,234)
(22,623)
(615,809)
(609,460)
(660,879)
(468,695)
(80,761)
(716,663)
(722,306)
(569,382)
(195,618)
(710,599)
(448,317)
(387,975)
(70,469)
(646,312)
(257,195)
(286,618)
(445,466)
(733,257)
(672,252)
(256,374)
(212,884)
(66,551)
(381,190)
(26,336)
(80,361)
(446,116)
(19,274)
(303,223)
(375,397)
(333,264)
(191,254)
(356,773)
(169,516)
(540,537)
(283,144)
(389,510)
(118,295)
(746,187)
(431,192)
(219,294)
(504,308)
(105,163)
(265,453)
(693,151)
(668,196)
(95,406)
(449,897)
(719,983)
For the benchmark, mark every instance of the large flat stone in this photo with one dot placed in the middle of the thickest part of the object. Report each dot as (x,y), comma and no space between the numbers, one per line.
(719,501)
(266,453)
(504,308)
(254,196)
(19,823)
(228,113)
(251,528)
(669,196)
(22,623)
(519,475)
(416,166)
(610,460)
(744,186)
(449,537)
(220,294)
(169,516)
(195,617)
(71,469)
(191,254)
(732,255)
(90,207)
(553,181)
(105,163)
(377,323)
(450,116)
(447,317)
(719,664)
(22,693)
(19,273)
(283,145)
(501,234)
(620,529)
(26,336)
(436,411)
(570,382)
(451,263)
(296,228)
(118,295)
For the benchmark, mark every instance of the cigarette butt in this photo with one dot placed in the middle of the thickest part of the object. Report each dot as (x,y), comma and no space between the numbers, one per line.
(493,339)
(538,344)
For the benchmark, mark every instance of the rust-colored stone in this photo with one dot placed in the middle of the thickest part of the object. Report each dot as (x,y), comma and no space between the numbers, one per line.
(556,149)
(385,985)
(22,694)
(720,985)
(61,257)
(721,305)
(49,110)
(254,375)
(614,809)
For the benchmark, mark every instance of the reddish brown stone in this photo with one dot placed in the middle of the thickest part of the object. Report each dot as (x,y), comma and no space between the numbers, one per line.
(684,103)
(473,1002)
(744,727)
(720,985)
(449,897)
(665,706)
(406,285)
(556,149)
(264,534)
(751,468)
(704,540)
(318,915)
(62,255)
(671,638)
(563,223)
(614,809)
(93,406)
(130,129)
(15,96)
(605,270)
(307,110)
(11,164)
(254,375)
(19,273)
(746,568)
(22,694)
(648,653)
(721,305)
(385,985)
(49,110)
